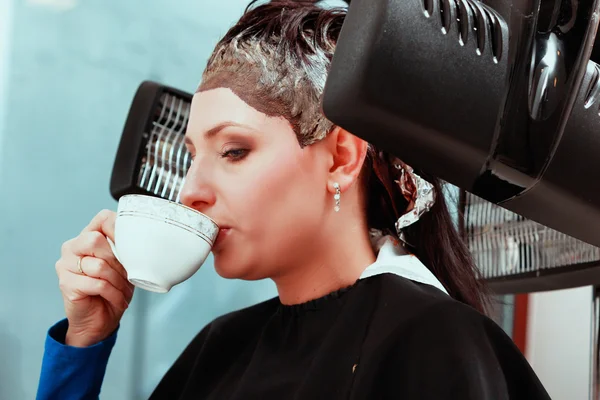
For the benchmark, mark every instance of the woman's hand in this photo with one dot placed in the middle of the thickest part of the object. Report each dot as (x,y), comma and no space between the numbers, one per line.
(93,283)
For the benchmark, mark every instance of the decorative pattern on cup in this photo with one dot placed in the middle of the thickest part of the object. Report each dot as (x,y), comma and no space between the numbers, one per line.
(170,212)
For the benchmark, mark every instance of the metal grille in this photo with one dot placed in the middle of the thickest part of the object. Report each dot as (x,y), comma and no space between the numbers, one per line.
(474,21)
(504,243)
(166,160)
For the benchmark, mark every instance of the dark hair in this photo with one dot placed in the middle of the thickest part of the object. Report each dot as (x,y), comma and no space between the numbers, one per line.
(304,36)
(434,239)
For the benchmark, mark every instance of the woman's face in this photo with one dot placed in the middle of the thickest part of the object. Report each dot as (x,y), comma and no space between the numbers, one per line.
(250,175)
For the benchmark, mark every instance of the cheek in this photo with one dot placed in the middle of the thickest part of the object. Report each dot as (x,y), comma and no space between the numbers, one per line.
(281,192)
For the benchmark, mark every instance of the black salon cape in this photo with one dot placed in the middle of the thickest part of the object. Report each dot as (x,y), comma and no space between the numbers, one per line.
(384,338)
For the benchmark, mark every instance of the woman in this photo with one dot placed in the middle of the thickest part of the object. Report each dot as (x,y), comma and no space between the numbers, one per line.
(378,297)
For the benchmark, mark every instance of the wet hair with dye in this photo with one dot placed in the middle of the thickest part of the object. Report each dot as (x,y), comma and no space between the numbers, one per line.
(283,51)
(276,58)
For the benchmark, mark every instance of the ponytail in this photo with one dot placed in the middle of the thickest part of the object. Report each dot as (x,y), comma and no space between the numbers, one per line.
(434,239)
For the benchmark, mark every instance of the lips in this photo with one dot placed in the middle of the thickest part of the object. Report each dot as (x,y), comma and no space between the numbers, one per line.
(223,233)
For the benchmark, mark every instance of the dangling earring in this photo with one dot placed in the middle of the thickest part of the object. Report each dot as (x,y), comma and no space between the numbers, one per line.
(337,196)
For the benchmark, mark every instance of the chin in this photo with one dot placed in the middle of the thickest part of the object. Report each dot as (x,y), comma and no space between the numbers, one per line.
(235,269)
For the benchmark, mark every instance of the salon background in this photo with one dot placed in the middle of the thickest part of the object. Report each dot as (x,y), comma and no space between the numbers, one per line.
(68,71)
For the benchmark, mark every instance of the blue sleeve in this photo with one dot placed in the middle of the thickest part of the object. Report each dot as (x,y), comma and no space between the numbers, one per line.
(70,373)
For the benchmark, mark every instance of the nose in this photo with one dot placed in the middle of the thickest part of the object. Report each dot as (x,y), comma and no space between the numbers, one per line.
(197,192)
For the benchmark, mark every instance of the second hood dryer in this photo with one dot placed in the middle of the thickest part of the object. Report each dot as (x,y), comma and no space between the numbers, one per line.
(498,97)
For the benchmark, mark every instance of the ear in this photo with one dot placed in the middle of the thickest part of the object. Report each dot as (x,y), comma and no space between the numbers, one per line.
(349,154)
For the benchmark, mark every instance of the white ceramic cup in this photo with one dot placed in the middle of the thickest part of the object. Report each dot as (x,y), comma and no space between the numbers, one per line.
(161,243)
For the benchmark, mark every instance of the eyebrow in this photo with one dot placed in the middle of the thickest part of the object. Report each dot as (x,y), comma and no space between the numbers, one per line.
(212,132)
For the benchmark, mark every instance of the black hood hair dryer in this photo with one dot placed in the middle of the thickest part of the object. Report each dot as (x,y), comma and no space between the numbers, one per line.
(498,97)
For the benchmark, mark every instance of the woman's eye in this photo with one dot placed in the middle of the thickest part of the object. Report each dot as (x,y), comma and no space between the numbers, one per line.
(190,153)
(235,154)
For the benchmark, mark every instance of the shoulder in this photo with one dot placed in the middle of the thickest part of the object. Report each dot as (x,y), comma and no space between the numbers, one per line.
(216,347)
(406,300)
(230,331)
(423,335)
(255,314)
(415,312)
(248,320)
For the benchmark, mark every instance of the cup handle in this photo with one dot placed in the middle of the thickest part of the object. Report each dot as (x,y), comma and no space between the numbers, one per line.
(113,248)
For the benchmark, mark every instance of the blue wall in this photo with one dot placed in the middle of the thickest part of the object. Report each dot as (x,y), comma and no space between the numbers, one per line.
(66,81)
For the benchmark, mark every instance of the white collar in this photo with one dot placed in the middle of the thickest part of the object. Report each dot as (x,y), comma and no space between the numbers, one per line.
(393,258)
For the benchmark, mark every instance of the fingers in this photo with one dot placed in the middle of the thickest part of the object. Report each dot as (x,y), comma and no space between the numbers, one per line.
(98,268)
(103,222)
(97,259)
(94,244)
(101,274)
(77,287)
(94,268)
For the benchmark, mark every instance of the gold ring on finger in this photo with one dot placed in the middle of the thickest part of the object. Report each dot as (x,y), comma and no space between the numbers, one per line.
(79,265)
